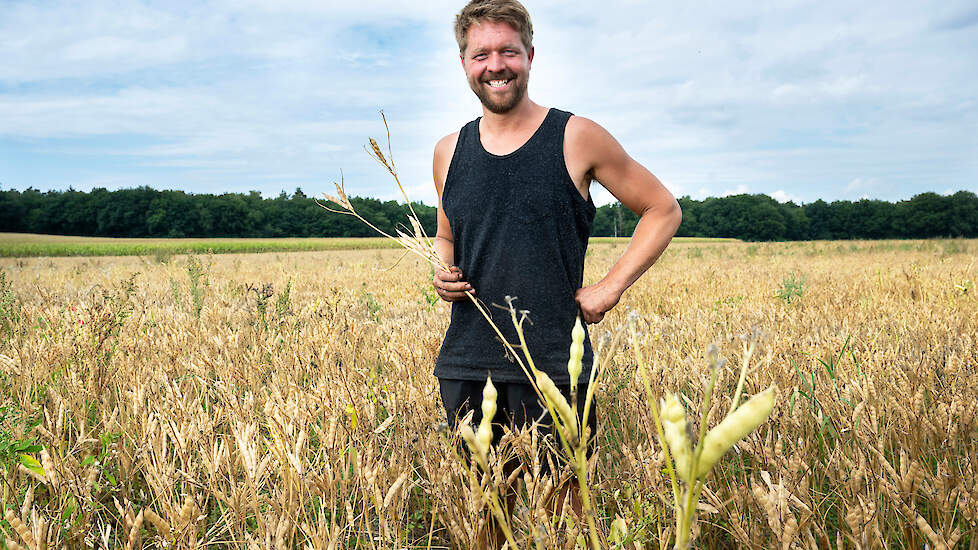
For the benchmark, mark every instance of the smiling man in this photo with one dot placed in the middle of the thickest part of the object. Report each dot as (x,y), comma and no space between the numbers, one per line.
(514,216)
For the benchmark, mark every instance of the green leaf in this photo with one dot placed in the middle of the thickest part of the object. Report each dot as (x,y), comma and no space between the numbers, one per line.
(69,509)
(31,464)
(88,460)
(110,477)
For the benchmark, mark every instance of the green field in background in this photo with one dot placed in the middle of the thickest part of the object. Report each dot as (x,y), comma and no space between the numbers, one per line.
(18,245)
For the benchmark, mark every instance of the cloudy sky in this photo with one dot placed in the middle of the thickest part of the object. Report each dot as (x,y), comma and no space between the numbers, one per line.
(803,100)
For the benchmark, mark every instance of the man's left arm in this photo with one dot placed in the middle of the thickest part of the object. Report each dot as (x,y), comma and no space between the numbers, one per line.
(642,193)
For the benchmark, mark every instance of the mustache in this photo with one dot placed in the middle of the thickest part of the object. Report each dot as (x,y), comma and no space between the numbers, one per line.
(500,76)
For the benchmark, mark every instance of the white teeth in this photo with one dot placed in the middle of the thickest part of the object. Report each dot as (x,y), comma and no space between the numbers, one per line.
(498,83)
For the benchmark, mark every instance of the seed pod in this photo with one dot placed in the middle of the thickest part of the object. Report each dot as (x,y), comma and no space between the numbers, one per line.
(557,401)
(376,148)
(470,439)
(484,434)
(574,366)
(488,401)
(674,430)
(733,428)
(619,530)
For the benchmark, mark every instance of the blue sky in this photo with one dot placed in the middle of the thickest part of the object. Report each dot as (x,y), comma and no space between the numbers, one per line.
(800,100)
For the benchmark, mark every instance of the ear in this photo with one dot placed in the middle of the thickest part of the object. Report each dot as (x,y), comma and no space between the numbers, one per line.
(530,57)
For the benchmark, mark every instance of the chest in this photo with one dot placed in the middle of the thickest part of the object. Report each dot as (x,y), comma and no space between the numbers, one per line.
(575,163)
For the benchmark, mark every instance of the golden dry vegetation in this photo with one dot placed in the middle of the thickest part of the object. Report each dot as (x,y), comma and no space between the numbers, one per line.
(286,401)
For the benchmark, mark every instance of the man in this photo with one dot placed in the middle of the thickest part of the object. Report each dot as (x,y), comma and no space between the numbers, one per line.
(514,216)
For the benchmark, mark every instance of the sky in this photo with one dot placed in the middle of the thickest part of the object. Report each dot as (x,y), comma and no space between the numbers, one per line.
(800,100)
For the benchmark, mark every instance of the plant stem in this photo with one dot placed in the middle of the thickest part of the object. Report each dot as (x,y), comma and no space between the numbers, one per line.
(748,352)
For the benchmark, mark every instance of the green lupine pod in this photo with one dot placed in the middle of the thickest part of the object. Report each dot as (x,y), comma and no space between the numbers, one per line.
(471,440)
(574,366)
(484,436)
(557,401)
(674,430)
(488,401)
(733,428)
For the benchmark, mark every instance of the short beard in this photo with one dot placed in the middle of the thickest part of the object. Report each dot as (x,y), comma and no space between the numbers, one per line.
(499,108)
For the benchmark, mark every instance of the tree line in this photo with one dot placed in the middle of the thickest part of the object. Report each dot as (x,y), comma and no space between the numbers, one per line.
(146,212)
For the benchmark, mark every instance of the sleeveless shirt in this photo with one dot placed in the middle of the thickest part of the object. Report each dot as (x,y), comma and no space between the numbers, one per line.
(520,229)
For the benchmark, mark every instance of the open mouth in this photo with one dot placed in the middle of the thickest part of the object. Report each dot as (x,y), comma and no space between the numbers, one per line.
(500,83)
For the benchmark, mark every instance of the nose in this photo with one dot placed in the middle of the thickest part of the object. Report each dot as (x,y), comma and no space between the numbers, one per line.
(495,63)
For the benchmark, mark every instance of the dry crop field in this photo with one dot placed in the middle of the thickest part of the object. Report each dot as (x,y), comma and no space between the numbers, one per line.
(286,401)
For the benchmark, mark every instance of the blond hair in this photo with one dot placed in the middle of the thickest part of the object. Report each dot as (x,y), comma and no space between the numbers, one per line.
(510,12)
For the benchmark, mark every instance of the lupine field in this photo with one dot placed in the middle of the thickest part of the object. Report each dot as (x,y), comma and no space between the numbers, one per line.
(285,400)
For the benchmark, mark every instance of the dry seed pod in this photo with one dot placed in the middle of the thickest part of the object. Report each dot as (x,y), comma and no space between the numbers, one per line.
(733,428)
(376,148)
(162,527)
(134,535)
(18,526)
(28,503)
(392,492)
(674,430)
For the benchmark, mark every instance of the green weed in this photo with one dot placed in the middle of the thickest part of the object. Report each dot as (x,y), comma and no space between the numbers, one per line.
(9,309)
(369,302)
(199,279)
(792,288)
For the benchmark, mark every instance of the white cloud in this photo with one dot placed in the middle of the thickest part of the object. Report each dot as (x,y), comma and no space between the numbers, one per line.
(739,190)
(782,196)
(797,97)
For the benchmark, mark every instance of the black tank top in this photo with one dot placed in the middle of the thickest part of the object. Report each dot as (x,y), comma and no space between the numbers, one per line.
(521,229)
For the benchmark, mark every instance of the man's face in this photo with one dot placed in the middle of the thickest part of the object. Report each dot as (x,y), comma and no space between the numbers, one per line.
(497,65)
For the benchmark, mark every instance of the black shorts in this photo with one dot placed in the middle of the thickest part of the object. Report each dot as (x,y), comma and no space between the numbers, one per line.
(517,405)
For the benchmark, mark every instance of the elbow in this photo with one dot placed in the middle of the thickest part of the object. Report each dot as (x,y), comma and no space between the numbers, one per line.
(676,215)
(669,214)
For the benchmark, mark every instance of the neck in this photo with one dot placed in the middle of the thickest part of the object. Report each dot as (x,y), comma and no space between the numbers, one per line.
(526,112)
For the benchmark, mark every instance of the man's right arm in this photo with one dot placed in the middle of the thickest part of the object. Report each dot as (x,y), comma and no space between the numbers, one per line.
(448,284)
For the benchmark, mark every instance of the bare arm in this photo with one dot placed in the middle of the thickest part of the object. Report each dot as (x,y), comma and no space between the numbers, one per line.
(448,284)
(642,193)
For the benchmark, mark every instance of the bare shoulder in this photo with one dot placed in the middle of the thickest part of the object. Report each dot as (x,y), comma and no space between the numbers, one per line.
(444,150)
(586,133)
(446,147)
(587,148)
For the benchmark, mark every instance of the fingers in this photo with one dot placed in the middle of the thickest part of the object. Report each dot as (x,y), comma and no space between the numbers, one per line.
(454,274)
(455,291)
(591,318)
(449,284)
